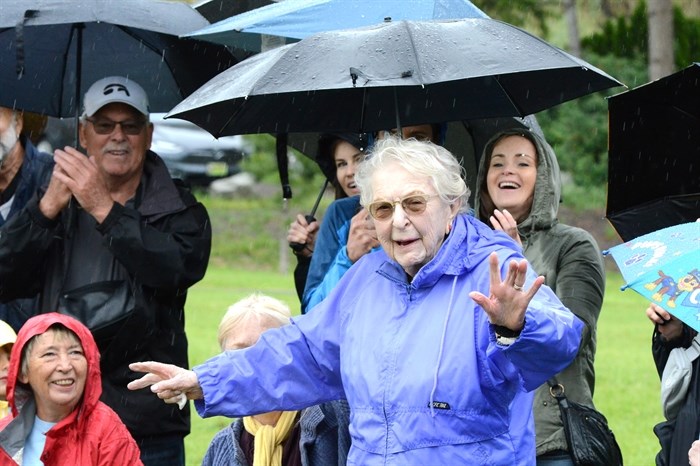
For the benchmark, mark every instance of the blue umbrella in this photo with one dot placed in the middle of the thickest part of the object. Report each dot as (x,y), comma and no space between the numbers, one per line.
(293,20)
(663,266)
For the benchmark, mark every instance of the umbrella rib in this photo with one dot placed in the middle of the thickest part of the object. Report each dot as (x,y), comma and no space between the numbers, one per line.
(415,53)
(686,113)
(507,94)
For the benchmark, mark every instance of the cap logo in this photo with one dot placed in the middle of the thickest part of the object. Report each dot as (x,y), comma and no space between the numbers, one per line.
(109,88)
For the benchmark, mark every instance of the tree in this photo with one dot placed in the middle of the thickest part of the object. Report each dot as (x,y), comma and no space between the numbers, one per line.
(660,17)
(572,26)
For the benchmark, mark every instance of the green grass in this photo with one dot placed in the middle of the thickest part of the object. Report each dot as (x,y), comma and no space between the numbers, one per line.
(207,302)
(627,387)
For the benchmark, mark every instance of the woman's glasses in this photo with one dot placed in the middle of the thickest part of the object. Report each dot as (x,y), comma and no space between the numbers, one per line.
(106,126)
(412,205)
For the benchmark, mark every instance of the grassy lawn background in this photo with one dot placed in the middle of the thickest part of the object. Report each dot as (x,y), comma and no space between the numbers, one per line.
(627,387)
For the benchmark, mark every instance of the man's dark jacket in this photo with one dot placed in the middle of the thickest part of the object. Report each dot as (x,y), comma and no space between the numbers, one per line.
(35,172)
(164,245)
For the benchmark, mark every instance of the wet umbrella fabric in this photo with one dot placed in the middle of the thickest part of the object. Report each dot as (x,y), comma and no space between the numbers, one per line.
(389,75)
(654,155)
(40,41)
(293,20)
(664,267)
(289,21)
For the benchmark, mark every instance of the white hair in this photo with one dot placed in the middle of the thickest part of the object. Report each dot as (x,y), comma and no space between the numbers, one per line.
(256,306)
(420,158)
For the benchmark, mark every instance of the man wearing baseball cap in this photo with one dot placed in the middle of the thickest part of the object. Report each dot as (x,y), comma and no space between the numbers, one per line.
(115,242)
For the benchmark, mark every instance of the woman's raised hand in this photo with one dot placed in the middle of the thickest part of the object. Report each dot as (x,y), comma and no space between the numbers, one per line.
(507,300)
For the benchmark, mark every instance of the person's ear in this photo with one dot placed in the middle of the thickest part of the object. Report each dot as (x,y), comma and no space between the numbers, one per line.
(23,378)
(454,209)
(20,122)
(82,138)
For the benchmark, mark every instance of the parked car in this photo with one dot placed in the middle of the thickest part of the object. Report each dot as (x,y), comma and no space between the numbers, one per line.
(194,155)
(190,153)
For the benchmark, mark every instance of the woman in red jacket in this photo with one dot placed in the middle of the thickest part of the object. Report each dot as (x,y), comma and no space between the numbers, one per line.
(53,388)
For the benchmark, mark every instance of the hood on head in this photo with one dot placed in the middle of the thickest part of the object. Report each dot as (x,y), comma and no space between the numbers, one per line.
(18,393)
(547,195)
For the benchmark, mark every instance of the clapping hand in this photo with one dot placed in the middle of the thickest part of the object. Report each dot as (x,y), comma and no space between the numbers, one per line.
(502,220)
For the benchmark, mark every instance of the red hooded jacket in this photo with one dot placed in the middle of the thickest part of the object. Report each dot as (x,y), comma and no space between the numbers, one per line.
(91,435)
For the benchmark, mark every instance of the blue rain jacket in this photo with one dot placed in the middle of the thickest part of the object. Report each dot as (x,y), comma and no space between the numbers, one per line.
(418,362)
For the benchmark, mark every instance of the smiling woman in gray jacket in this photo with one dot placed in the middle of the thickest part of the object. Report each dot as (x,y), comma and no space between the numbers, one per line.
(519,191)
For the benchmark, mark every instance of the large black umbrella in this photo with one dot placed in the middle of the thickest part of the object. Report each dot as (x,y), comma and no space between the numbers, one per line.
(392,74)
(654,155)
(51,51)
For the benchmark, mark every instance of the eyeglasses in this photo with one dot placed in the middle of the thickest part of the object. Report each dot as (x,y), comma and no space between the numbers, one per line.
(412,205)
(105,126)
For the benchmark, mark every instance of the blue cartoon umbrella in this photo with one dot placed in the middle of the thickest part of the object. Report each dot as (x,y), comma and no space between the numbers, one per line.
(664,267)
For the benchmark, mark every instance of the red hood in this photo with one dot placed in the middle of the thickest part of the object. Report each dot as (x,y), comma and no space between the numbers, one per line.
(17,395)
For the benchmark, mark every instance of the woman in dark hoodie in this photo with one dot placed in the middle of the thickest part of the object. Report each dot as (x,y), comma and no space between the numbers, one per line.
(518,192)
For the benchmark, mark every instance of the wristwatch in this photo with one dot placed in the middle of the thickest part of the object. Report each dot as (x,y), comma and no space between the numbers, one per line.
(504,335)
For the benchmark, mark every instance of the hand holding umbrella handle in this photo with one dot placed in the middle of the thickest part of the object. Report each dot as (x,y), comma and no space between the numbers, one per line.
(298,247)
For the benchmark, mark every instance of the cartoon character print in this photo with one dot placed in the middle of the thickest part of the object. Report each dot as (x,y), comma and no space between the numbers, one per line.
(669,287)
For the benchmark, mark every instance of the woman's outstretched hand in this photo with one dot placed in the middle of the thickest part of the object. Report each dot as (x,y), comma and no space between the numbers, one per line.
(167,381)
(508,300)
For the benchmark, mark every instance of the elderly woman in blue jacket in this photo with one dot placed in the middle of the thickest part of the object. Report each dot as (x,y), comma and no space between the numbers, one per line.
(430,339)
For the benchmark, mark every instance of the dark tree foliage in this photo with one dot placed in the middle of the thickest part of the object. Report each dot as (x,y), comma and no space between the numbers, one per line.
(518,13)
(625,37)
(577,130)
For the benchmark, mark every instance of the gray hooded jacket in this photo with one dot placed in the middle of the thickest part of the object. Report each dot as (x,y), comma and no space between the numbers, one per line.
(571,262)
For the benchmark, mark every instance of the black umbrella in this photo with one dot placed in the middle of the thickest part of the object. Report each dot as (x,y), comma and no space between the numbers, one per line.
(51,51)
(392,74)
(654,155)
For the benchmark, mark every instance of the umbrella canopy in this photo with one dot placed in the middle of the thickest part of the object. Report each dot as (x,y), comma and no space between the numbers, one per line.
(51,51)
(296,19)
(664,267)
(389,75)
(654,154)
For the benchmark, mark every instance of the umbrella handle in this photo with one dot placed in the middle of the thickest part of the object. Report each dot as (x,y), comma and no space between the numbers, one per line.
(297,247)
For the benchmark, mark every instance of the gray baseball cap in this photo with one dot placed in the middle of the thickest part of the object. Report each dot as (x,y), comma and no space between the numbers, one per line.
(114,89)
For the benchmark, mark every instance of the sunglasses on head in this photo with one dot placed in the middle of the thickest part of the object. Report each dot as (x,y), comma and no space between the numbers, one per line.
(412,205)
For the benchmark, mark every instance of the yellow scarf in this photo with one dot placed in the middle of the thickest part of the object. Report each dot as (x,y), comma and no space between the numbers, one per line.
(267,449)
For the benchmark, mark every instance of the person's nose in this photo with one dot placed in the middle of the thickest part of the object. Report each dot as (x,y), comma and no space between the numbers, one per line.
(118,133)
(399,219)
(64,362)
(508,168)
(350,173)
